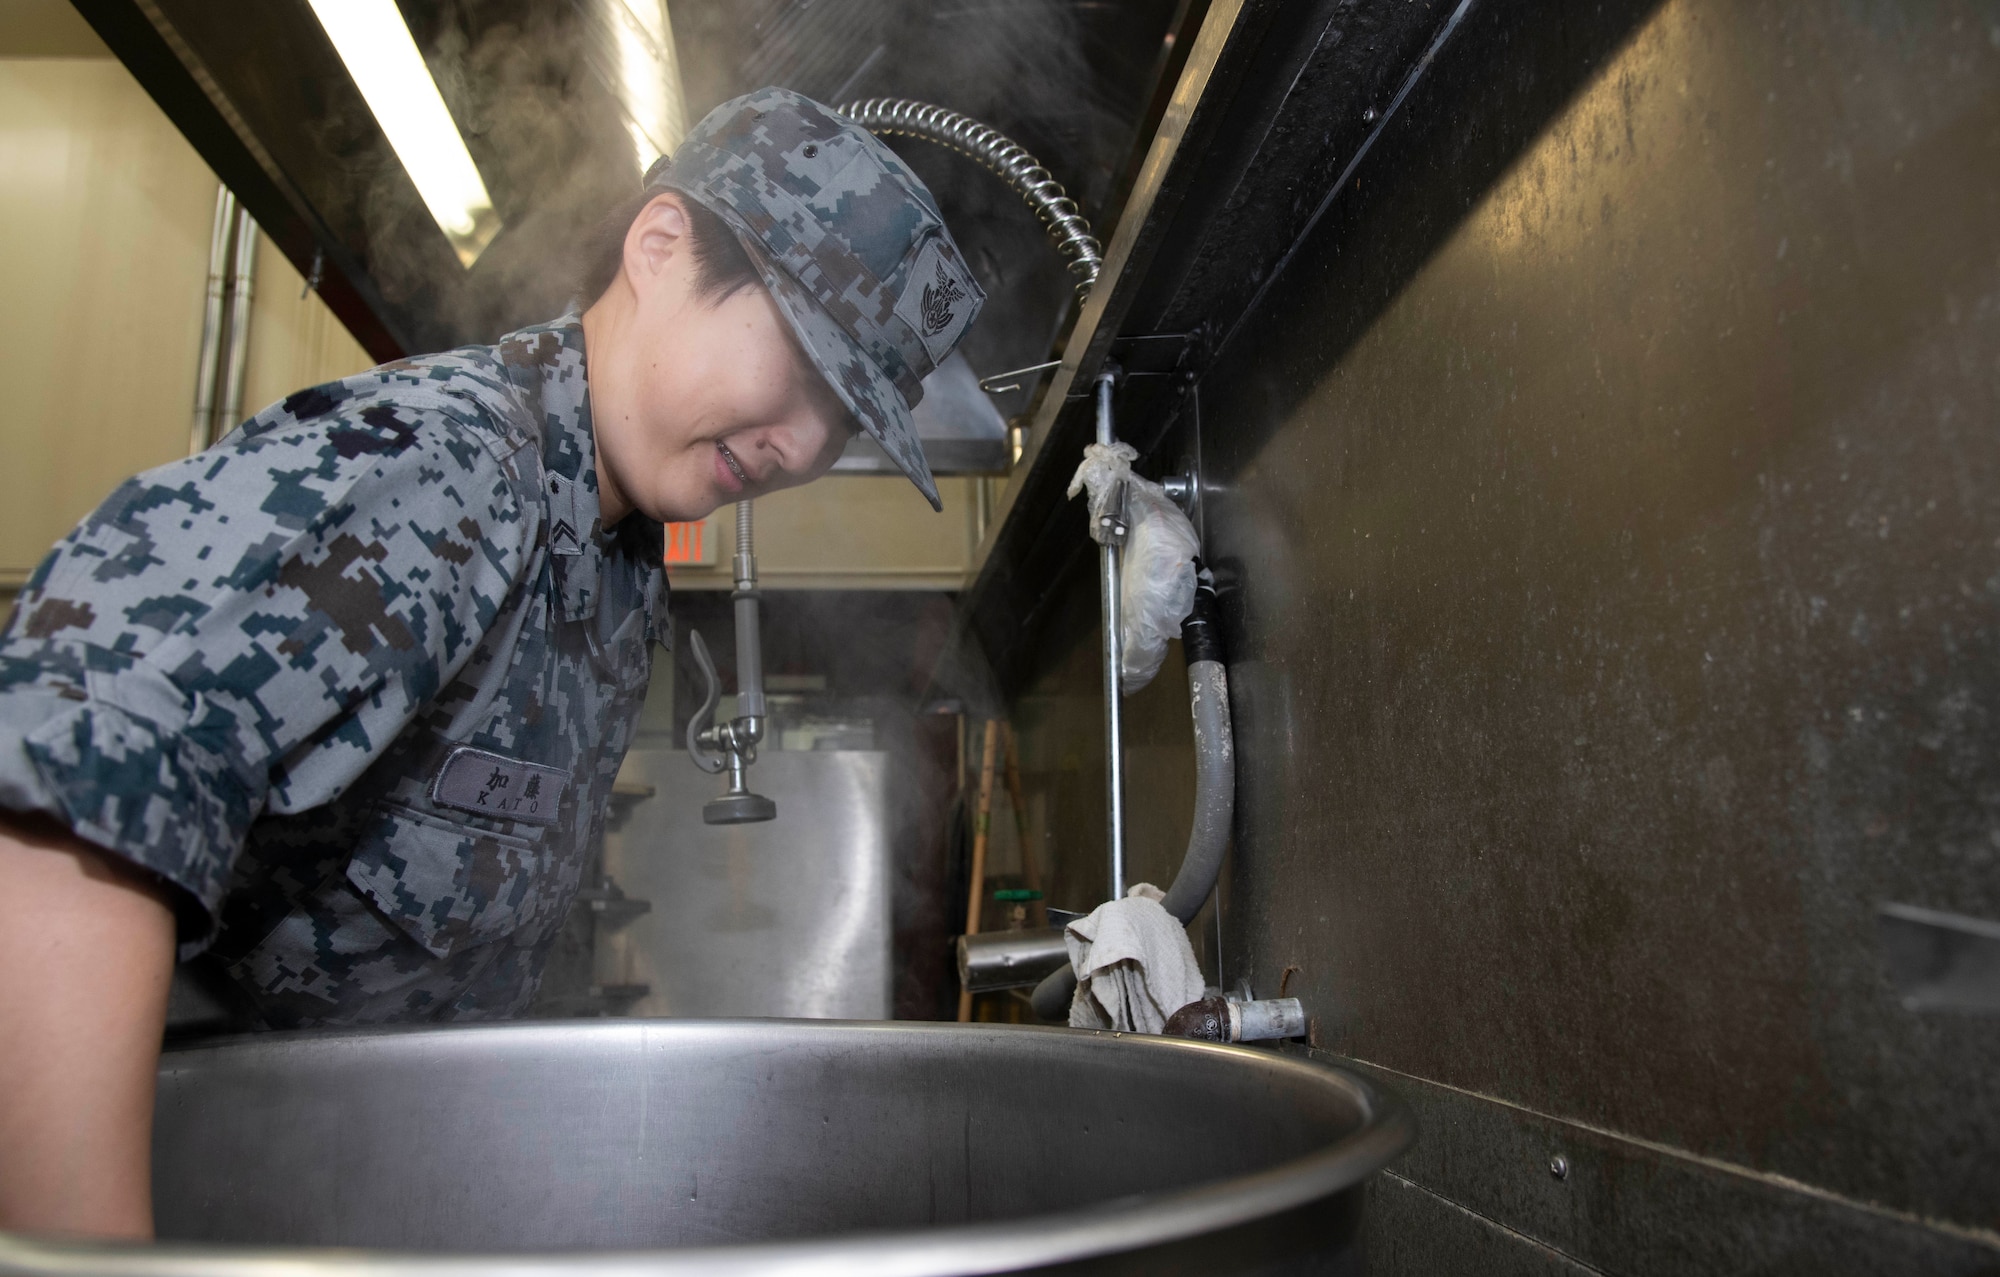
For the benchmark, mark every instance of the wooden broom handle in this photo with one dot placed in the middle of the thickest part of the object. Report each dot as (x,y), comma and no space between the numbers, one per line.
(981,823)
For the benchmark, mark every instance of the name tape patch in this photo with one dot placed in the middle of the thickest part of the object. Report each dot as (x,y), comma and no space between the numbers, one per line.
(489,784)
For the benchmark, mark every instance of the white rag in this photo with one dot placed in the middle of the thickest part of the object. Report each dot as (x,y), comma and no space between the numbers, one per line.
(1156,575)
(1134,965)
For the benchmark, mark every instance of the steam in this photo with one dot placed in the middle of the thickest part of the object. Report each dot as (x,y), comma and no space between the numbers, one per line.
(537,98)
(559,116)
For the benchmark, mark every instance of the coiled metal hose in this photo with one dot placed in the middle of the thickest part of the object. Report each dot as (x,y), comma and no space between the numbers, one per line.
(996,151)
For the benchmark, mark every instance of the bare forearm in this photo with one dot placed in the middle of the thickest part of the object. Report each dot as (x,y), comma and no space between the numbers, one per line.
(86,955)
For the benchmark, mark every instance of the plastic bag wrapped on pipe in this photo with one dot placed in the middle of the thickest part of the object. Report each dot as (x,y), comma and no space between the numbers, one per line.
(1156,581)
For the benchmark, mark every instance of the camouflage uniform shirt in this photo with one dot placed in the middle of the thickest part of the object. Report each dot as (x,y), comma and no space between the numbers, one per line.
(355,681)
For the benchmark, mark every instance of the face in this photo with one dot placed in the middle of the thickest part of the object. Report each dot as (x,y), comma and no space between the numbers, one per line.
(699,402)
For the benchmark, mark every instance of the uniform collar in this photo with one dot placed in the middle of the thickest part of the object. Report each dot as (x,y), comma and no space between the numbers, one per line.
(551,357)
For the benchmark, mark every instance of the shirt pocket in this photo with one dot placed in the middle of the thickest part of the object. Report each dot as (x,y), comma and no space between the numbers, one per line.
(450,885)
(621,640)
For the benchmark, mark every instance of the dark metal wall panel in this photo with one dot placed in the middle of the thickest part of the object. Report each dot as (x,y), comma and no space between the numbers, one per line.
(1608,494)
(1409,1231)
(1619,612)
(1611,1204)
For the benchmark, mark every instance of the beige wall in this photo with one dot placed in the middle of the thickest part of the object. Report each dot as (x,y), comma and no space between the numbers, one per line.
(46,29)
(104,227)
(295,341)
(872,532)
(105,214)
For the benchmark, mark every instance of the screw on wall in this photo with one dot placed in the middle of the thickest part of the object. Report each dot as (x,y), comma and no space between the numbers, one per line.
(1559,1166)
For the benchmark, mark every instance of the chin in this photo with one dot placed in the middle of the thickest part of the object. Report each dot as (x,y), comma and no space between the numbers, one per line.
(675,500)
(680,509)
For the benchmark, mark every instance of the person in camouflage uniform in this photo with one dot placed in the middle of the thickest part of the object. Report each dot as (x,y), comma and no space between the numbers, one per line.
(343,696)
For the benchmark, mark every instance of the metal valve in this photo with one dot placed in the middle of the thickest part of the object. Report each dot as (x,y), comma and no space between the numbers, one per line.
(732,746)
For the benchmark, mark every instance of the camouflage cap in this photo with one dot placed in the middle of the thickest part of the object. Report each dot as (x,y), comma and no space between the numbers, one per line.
(851,245)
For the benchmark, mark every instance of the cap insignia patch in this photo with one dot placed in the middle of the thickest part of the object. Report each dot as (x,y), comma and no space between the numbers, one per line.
(938,300)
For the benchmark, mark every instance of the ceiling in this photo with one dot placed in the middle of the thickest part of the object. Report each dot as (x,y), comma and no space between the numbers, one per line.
(258,89)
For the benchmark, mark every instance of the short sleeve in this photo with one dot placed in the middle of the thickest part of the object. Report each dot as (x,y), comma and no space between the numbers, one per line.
(252,626)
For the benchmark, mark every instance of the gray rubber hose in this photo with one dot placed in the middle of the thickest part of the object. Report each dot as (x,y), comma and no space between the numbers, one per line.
(1214,786)
(1214,790)
(1052,996)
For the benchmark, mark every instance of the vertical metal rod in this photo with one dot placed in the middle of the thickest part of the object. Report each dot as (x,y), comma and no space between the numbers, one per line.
(982,508)
(749,641)
(1109,555)
(236,360)
(209,358)
(1219,982)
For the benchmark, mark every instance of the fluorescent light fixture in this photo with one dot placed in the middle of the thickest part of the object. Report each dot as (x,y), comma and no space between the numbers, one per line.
(375,43)
(646,76)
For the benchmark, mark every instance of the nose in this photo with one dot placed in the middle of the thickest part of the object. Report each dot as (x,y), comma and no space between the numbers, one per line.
(792,447)
(773,453)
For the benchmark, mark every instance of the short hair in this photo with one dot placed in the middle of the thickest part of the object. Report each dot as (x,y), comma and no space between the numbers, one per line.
(722,265)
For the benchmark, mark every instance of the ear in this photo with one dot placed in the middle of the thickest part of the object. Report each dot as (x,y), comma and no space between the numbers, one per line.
(656,242)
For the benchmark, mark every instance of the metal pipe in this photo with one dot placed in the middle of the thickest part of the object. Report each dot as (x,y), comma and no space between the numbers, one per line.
(1000,154)
(1111,538)
(749,639)
(737,739)
(209,357)
(1228,1020)
(1009,959)
(242,289)
(701,725)
(734,743)
(1052,996)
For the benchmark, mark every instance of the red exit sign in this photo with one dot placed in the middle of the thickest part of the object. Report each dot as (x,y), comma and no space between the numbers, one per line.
(691,544)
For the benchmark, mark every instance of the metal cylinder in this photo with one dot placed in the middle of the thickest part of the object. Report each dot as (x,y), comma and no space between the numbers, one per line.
(1109,557)
(1220,1019)
(236,355)
(209,357)
(1270,1018)
(1009,959)
(749,638)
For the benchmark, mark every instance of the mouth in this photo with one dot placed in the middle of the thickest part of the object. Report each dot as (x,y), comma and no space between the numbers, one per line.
(733,467)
